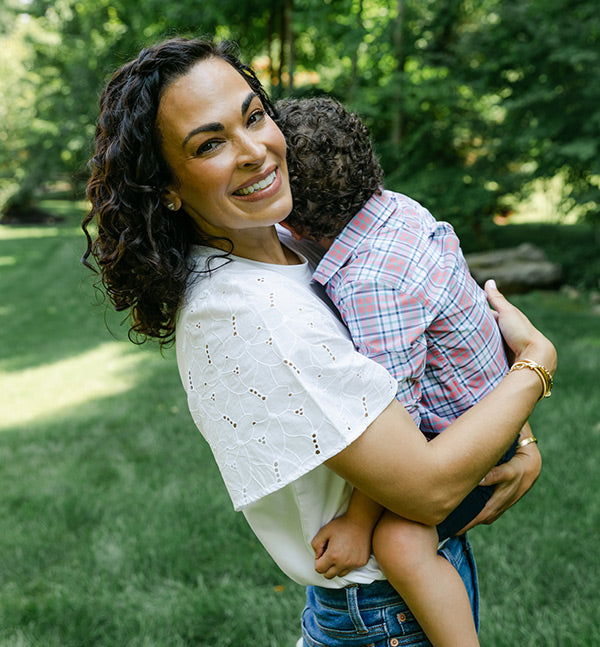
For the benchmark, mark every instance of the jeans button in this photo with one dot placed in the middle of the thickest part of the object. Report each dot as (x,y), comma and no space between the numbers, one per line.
(401,617)
(394,642)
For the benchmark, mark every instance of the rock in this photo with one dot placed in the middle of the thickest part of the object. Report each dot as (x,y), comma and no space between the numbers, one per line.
(515,270)
(572,293)
(595,297)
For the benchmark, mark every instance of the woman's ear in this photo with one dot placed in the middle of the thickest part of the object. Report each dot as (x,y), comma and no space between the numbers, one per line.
(171,200)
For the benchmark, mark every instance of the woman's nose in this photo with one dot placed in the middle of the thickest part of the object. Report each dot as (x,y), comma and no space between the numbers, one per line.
(252,151)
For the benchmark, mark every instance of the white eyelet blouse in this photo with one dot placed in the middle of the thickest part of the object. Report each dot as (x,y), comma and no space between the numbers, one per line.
(276,388)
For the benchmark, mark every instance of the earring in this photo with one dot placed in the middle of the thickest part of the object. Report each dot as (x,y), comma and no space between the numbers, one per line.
(171,206)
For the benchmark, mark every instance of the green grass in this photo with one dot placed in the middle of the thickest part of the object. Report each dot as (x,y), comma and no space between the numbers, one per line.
(115,526)
(117,531)
(539,569)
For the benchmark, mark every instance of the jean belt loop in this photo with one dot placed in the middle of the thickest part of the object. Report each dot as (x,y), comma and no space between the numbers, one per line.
(353,609)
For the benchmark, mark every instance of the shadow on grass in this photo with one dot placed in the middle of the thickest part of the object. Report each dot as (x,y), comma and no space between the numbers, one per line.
(117,530)
(50,309)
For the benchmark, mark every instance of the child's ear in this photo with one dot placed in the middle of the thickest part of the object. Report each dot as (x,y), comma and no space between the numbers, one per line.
(295,234)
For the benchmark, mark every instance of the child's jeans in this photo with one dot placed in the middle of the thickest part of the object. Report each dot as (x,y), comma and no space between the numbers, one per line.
(374,615)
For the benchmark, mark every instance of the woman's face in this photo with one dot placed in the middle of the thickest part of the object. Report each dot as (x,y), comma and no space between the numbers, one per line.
(226,153)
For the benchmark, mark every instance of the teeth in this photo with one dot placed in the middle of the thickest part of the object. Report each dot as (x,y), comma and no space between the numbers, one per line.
(263,184)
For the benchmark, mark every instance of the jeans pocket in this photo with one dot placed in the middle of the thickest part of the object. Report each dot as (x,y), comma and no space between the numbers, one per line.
(331,627)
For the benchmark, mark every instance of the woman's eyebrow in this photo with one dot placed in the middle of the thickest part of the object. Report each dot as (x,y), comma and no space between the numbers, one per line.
(247,101)
(211,127)
(216,126)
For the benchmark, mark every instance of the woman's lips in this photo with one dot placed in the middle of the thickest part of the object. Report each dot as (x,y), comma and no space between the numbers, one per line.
(264,188)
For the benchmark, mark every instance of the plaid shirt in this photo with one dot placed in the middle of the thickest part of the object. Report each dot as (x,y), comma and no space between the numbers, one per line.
(403,288)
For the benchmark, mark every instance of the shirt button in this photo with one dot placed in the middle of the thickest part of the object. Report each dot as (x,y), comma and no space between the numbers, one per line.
(394,642)
(401,617)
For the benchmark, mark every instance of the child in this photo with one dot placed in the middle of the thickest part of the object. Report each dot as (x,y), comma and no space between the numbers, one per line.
(402,287)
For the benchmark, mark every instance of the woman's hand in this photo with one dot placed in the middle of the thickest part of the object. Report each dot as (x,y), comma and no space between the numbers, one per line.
(522,338)
(512,480)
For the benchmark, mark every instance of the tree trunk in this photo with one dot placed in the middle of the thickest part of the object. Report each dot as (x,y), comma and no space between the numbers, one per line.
(353,87)
(271,70)
(282,45)
(289,14)
(398,40)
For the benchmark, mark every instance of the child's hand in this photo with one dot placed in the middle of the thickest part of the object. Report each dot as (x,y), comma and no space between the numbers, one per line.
(341,546)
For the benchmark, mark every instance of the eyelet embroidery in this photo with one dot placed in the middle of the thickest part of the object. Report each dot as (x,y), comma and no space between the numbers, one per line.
(257,394)
(291,365)
(316,444)
(365,407)
(329,351)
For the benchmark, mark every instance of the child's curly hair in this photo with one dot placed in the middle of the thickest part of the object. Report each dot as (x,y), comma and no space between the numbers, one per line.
(333,169)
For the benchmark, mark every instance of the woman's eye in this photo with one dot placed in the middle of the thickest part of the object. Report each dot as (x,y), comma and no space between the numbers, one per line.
(256,116)
(207,147)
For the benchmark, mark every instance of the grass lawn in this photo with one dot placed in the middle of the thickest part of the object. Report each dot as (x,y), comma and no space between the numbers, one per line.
(117,531)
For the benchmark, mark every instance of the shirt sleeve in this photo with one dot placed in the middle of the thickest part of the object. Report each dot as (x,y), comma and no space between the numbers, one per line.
(273,383)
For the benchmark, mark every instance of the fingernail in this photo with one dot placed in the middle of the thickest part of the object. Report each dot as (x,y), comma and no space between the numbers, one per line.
(493,284)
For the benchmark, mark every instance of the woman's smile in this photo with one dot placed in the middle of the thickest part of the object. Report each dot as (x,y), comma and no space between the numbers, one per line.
(260,186)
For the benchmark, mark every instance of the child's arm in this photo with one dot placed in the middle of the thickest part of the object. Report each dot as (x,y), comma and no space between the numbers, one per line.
(345,543)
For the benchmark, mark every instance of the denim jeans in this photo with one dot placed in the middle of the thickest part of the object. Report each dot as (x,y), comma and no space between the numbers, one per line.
(374,615)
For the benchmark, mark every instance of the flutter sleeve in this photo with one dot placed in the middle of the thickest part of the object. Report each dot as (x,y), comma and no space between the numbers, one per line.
(272,379)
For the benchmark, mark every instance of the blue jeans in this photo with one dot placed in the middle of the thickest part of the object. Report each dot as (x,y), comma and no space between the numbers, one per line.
(374,615)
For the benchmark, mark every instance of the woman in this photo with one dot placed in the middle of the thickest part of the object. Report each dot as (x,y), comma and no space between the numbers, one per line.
(189,180)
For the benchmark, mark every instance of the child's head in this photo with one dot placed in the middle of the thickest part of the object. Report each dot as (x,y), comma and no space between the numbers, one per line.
(333,170)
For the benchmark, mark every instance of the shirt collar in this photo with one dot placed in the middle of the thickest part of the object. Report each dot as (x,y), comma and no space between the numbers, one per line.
(377,210)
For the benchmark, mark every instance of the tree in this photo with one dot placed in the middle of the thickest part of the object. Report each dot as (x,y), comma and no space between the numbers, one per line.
(461,96)
(540,62)
(17,115)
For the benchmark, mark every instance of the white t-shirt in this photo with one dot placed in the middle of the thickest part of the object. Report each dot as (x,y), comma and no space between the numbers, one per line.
(275,386)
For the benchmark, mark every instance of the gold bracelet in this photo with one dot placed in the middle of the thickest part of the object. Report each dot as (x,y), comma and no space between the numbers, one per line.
(542,372)
(526,441)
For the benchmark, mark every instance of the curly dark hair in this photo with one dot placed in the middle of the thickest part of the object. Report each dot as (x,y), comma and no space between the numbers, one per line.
(141,247)
(333,169)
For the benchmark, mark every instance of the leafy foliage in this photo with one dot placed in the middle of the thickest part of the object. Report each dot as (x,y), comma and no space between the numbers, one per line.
(542,58)
(467,101)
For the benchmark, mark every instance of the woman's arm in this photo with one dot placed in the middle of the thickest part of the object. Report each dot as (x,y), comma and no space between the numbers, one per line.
(393,463)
